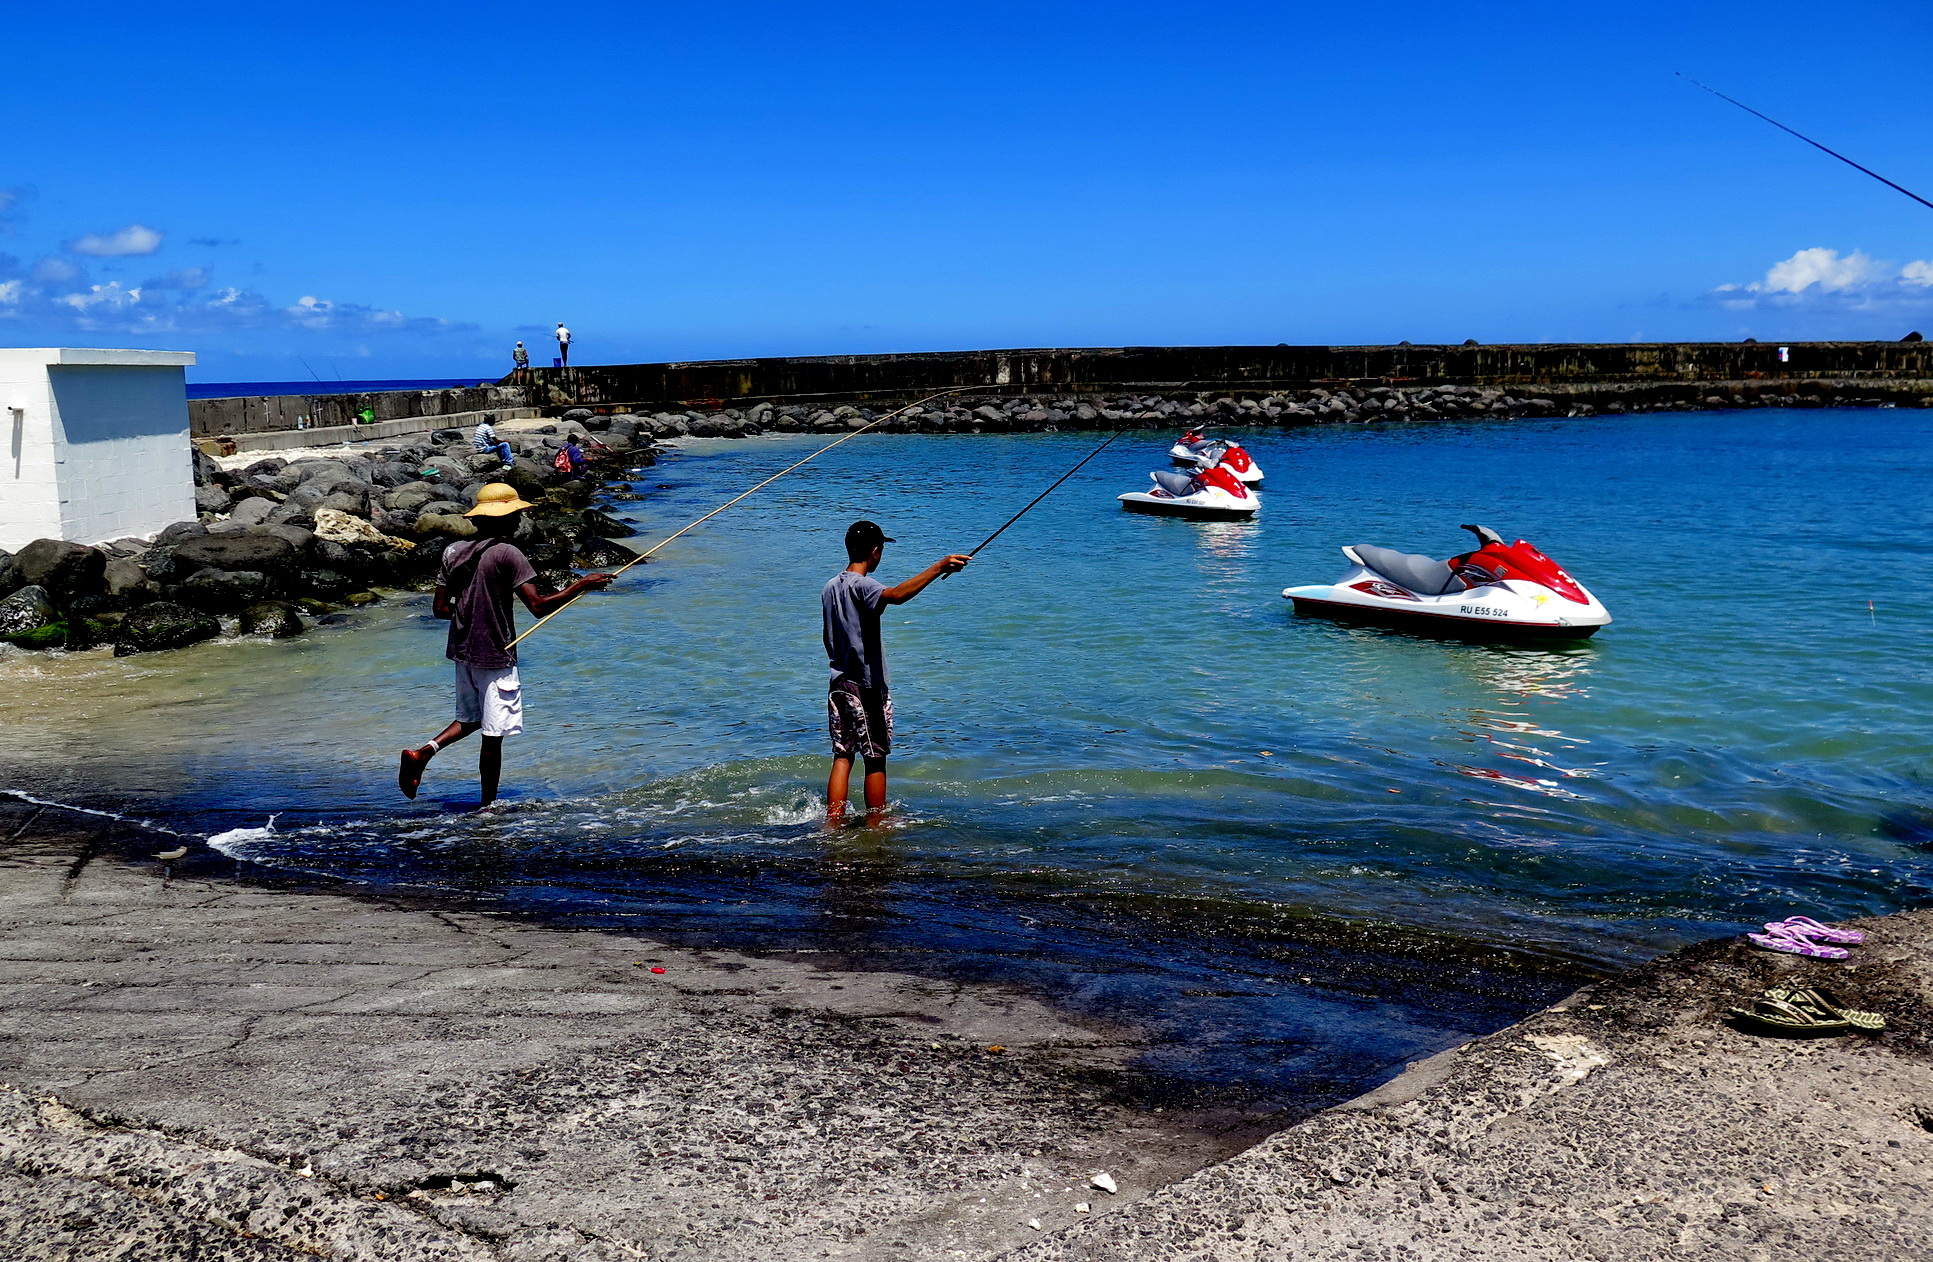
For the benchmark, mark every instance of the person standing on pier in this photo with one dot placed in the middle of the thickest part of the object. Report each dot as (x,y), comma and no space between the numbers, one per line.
(520,358)
(859,708)
(563,346)
(474,588)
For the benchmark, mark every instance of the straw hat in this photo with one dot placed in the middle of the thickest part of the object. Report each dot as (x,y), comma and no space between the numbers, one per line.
(498,499)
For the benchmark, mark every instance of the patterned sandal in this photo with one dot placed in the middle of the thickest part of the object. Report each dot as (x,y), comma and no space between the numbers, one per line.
(1775,1016)
(1787,941)
(1811,928)
(1822,1003)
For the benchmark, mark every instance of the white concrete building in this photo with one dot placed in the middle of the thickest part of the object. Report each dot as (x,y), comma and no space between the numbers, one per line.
(96,444)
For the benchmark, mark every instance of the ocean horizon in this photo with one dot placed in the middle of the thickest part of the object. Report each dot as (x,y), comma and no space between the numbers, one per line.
(242,389)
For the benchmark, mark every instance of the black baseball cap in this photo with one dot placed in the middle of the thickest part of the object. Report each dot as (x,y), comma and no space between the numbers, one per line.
(867,535)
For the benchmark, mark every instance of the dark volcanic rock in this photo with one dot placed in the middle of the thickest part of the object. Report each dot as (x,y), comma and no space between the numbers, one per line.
(252,511)
(9,573)
(129,585)
(325,583)
(212,499)
(603,554)
(605,525)
(180,531)
(261,552)
(271,617)
(163,625)
(28,618)
(222,591)
(66,570)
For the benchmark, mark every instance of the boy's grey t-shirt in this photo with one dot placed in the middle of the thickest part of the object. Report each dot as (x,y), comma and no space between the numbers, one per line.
(851,603)
(482,623)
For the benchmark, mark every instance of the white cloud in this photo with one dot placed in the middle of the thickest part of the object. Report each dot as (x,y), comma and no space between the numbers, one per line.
(109,296)
(185,278)
(1824,278)
(1822,267)
(56,271)
(9,293)
(133,239)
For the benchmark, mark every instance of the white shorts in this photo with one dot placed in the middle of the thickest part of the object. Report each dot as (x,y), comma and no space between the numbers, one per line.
(494,698)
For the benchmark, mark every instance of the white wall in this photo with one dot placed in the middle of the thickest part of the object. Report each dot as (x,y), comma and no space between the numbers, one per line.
(96,444)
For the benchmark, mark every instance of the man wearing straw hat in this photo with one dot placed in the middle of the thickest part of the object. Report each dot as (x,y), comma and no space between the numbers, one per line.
(473,590)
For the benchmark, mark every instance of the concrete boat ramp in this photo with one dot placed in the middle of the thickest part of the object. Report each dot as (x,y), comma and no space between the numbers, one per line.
(202,1068)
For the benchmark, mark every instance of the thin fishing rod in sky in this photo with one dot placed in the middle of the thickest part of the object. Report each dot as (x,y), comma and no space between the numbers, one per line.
(1809,140)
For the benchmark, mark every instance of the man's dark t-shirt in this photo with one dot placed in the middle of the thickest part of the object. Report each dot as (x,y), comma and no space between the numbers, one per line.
(482,593)
(851,603)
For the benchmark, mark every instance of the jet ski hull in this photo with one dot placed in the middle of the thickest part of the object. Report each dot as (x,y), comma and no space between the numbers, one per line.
(1439,625)
(1185,506)
(1512,611)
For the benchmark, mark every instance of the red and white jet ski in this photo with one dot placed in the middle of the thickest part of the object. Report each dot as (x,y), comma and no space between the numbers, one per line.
(1213,494)
(1200,452)
(1498,592)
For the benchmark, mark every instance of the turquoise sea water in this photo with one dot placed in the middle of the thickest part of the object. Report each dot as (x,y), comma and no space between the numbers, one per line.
(1127,775)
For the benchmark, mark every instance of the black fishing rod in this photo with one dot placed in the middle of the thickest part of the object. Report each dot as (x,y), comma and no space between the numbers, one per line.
(1044,494)
(1809,140)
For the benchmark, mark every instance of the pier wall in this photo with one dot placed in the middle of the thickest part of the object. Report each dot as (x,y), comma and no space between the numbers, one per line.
(716,384)
(256,414)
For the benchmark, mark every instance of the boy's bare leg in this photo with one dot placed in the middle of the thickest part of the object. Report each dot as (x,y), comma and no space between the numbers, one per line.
(490,767)
(836,788)
(875,790)
(410,767)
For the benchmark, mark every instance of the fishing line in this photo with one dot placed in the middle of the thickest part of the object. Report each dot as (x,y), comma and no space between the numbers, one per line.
(1809,140)
(775,477)
(1044,494)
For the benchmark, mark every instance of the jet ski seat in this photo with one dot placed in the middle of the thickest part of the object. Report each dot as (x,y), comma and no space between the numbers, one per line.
(1174,483)
(1426,576)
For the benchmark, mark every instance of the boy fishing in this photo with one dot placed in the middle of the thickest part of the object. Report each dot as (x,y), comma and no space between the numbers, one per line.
(473,590)
(859,708)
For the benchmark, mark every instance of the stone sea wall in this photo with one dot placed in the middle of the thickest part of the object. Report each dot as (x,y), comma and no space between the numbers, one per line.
(1001,412)
(256,414)
(279,540)
(714,384)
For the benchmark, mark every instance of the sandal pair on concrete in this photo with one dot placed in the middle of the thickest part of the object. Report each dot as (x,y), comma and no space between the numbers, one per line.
(1802,935)
(1811,1013)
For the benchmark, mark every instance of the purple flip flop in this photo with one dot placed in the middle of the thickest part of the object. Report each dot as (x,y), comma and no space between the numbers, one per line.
(1787,941)
(1808,927)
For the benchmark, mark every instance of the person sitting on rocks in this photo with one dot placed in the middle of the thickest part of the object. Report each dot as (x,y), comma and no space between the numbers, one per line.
(485,439)
(579,460)
(473,590)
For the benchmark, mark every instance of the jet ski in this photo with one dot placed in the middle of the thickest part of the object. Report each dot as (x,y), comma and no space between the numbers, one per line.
(1500,592)
(1212,494)
(1196,451)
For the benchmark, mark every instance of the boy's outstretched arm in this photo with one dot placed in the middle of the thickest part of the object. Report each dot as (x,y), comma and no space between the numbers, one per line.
(900,593)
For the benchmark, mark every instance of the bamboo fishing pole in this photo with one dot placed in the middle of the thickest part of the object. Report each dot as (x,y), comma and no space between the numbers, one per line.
(775,477)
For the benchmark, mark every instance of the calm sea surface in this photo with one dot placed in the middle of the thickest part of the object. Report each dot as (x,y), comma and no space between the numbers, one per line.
(1128,777)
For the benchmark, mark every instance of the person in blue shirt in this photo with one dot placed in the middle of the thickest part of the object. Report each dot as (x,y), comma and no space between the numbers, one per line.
(859,706)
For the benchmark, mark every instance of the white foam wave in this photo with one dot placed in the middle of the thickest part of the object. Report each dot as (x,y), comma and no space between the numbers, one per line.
(236,840)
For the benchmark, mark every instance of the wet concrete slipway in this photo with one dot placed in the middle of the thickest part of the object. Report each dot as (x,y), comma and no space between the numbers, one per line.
(198,1066)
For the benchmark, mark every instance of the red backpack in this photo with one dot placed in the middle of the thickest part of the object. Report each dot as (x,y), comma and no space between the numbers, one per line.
(562,461)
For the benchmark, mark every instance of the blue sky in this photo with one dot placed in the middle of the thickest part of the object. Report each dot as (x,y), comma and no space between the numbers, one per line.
(403,190)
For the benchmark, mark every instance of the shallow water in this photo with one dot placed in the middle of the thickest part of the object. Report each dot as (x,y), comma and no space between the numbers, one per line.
(1127,774)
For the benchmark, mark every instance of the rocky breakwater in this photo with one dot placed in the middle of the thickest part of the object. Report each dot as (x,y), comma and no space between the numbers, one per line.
(1321,405)
(278,541)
